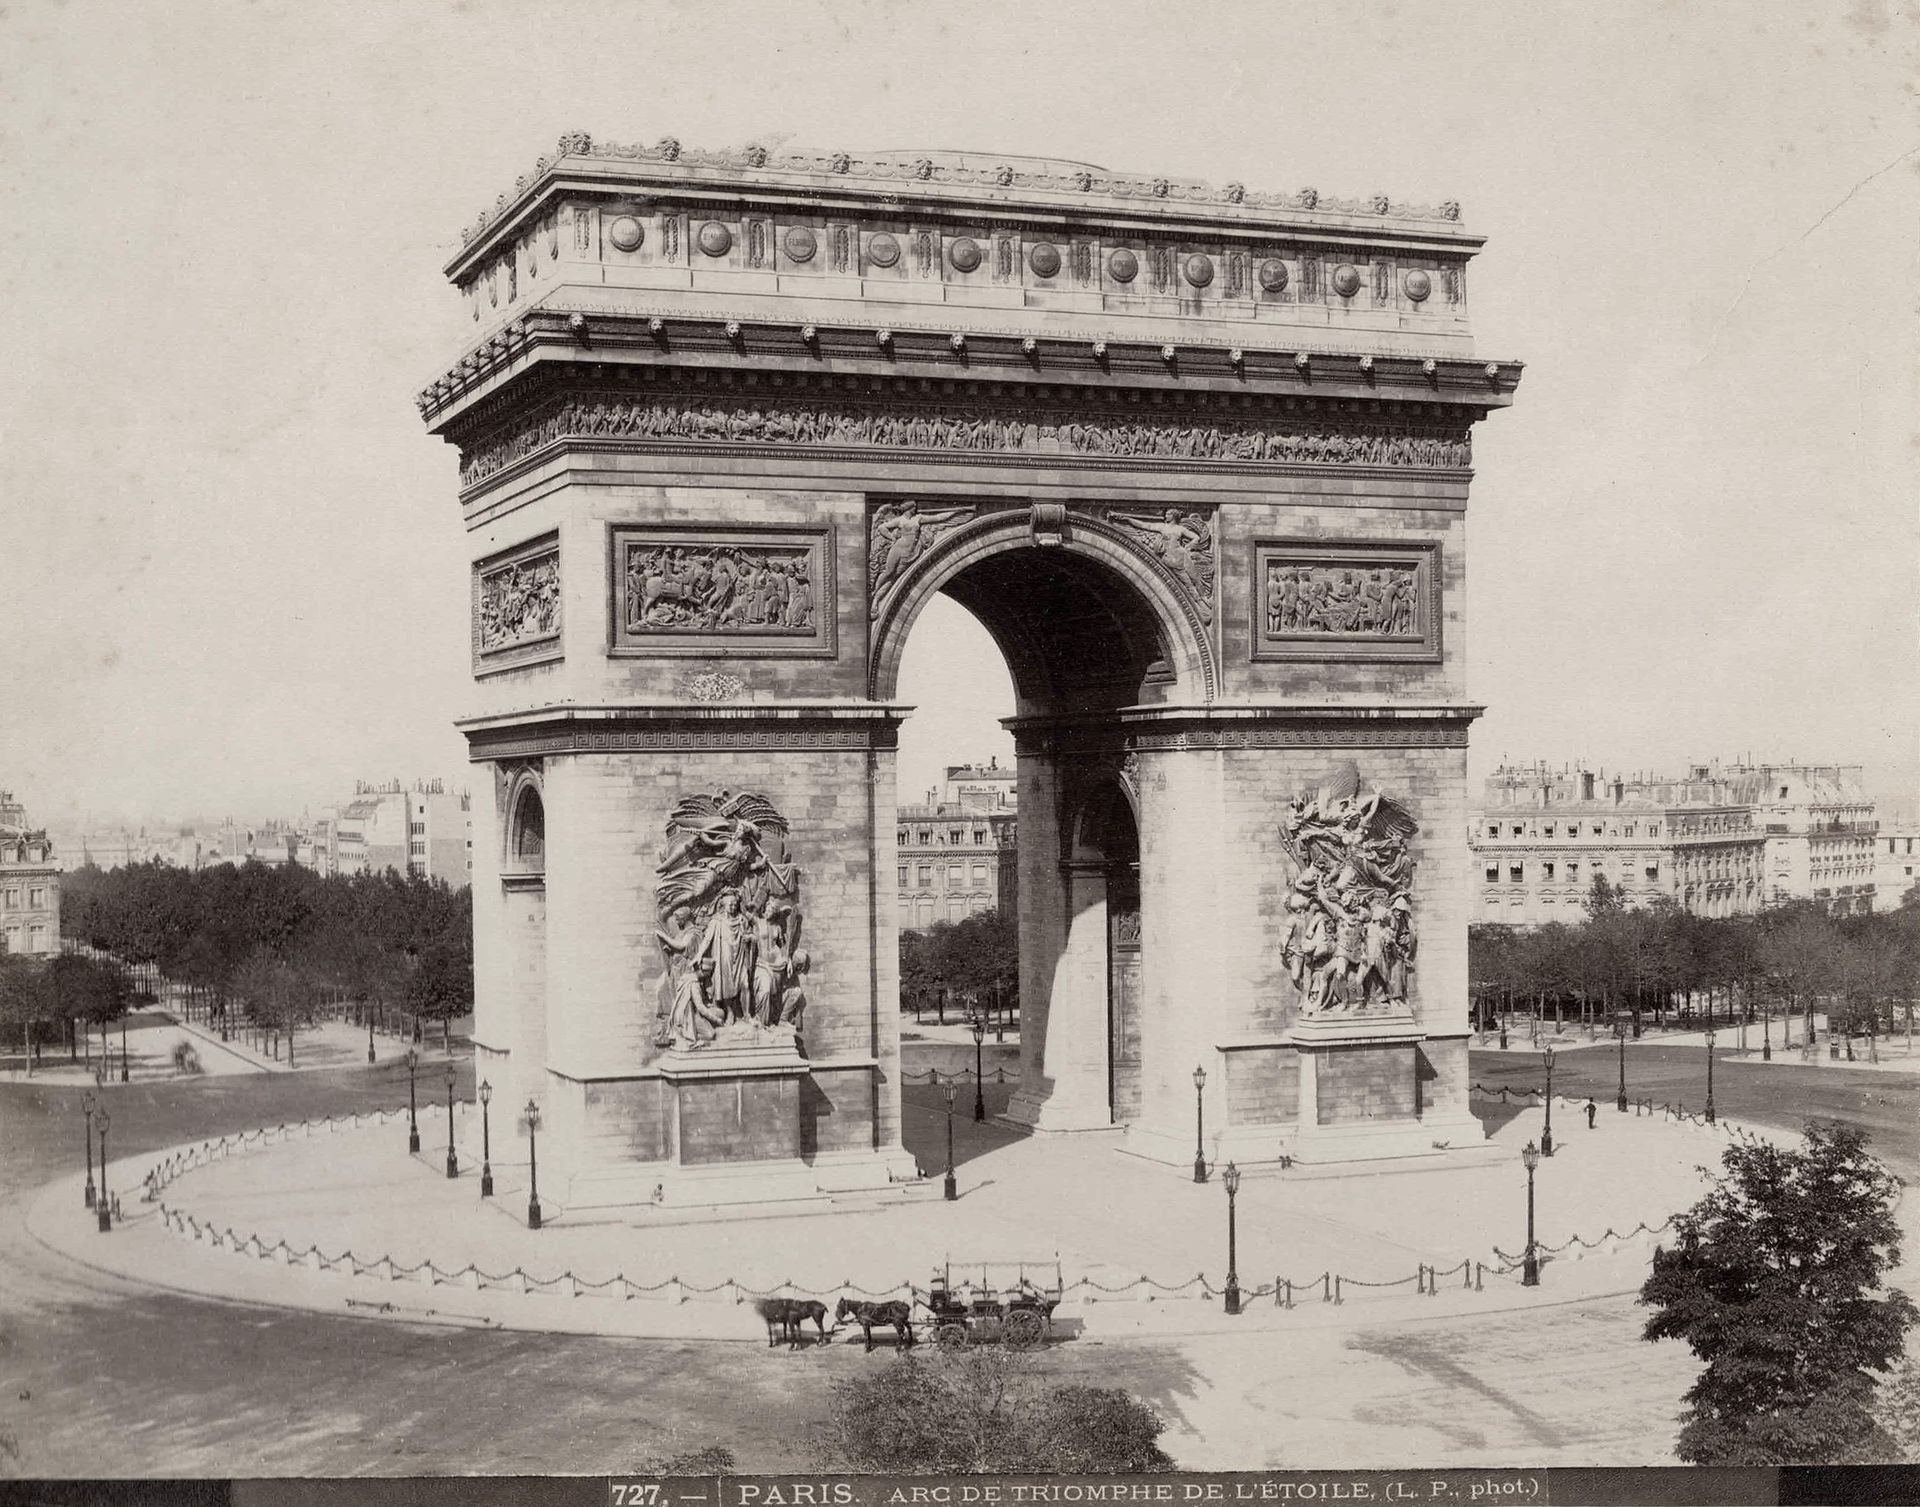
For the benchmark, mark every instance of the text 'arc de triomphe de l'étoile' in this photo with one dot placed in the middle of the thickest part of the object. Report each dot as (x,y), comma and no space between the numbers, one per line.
(1196,456)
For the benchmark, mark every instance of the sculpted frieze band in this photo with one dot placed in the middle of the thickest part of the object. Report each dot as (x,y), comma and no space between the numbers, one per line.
(970,427)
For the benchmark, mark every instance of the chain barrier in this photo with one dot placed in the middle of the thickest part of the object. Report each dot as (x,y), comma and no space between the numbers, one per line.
(1283,1290)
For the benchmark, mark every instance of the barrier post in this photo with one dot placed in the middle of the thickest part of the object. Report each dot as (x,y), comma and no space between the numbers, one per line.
(1478,1272)
(1326,1287)
(1336,1292)
(1287,1284)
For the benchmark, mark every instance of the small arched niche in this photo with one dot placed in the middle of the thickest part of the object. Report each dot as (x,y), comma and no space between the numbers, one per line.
(527,831)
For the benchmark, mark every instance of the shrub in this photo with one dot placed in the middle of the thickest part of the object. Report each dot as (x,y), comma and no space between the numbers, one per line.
(983,1410)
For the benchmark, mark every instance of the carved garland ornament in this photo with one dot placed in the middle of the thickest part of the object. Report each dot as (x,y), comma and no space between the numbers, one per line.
(976,428)
(1349,941)
(727,903)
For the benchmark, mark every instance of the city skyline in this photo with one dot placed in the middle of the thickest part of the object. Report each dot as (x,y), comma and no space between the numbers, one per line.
(241,574)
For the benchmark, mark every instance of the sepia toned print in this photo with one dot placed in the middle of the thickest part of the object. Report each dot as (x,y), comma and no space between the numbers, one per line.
(858,756)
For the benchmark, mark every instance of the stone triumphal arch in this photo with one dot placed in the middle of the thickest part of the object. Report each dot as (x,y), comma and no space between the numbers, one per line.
(1198,459)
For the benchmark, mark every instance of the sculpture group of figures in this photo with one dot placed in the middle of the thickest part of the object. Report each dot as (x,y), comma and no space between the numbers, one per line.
(1329,599)
(727,899)
(715,588)
(1349,940)
(520,602)
(962,427)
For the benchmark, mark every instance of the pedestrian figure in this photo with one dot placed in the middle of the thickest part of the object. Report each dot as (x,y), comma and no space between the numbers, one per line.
(1591,1111)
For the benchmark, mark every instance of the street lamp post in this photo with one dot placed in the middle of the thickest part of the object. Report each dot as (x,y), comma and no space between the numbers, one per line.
(1709,1076)
(413,1119)
(1199,1125)
(952,1188)
(979,1067)
(1231,1179)
(87,1103)
(1620,1100)
(1530,1263)
(1546,1134)
(123,1050)
(1766,1032)
(453,1162)
(369,1035)
(104,1208)
(486,1141)
(533,1165)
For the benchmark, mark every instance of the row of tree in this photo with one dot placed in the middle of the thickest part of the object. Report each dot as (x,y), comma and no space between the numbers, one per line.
(1863,971)
(61,1000)
(979,956)
(280,943)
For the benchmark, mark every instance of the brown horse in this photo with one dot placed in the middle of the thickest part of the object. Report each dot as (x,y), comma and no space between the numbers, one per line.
(872,1316)
(785,1316)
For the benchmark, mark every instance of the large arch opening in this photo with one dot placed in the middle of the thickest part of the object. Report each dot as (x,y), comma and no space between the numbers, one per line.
(1031,632)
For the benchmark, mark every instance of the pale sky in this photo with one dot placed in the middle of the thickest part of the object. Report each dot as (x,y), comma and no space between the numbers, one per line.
(231,560)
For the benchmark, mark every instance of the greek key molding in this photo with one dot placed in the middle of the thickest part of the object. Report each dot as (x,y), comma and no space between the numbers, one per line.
(487,747)
(970,429)
(1356,735)
(517,606)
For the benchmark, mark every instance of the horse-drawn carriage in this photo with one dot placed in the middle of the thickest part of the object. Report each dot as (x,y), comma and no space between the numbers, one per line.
(1009,1302)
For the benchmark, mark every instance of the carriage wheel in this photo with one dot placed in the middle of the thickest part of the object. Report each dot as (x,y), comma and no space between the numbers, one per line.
(1024,1329)
(951,1336)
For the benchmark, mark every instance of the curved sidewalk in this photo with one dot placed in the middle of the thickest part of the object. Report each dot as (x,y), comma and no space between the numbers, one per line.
(337,1217)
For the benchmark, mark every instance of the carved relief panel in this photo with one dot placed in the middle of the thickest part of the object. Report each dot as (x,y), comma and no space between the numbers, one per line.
(757,592)
(517,607)
(1340,600)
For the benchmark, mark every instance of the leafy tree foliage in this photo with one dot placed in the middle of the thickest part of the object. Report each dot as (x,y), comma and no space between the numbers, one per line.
(273,938)
(984,1411)
(1863,971)
(971,956)
(1777,1284)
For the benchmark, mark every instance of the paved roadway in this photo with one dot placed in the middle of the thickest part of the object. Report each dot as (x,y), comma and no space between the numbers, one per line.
(102,1377)
(1781,1093)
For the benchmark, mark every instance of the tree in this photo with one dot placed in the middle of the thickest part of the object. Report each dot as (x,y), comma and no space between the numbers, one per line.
(25,1001)
(983,1410)
(1776,1284)
(442,986)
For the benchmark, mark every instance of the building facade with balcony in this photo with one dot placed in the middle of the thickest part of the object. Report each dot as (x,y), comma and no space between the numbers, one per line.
(956,858)
(1541,836)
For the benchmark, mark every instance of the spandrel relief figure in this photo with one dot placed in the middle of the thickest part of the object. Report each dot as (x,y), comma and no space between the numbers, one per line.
(902,533)
(730,933)
(1182,541)
(1349,941)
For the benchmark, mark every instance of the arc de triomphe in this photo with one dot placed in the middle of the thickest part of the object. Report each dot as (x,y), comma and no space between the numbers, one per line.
(1197,457)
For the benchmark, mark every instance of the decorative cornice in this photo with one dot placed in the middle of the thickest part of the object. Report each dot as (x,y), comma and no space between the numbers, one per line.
(944,351)
(757,164)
